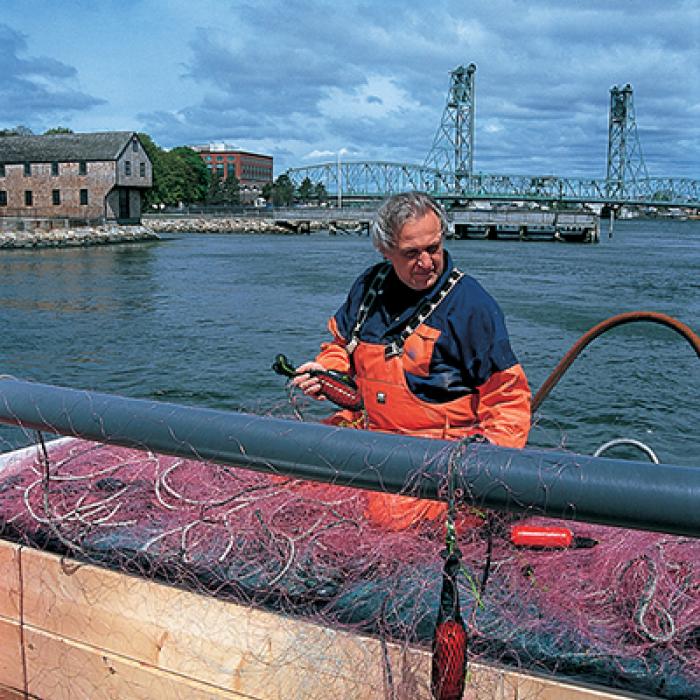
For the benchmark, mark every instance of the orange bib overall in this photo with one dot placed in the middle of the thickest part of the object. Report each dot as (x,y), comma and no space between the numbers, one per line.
(391,407)
(498,409)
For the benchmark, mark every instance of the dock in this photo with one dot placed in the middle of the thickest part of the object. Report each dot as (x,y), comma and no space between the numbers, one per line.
(492,224)
(526,225)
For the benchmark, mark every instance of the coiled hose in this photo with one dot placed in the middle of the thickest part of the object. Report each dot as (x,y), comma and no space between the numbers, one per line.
(593,333)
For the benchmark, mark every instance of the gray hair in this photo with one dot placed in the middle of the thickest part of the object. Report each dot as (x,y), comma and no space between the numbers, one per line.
(397,210)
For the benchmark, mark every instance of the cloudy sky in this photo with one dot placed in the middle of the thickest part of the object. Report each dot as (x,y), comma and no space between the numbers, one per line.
(305,79)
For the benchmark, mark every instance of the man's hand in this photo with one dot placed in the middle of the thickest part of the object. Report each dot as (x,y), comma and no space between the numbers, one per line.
(310,385)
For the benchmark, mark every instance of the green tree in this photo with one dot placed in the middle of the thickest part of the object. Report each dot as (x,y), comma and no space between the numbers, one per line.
(662,195)
(18,130)
(58,130)
(179,175)
(283,191)
(231,189)
(267,191)
(306,190)
(158,192)
(193,173)
(320,193)
(215,192)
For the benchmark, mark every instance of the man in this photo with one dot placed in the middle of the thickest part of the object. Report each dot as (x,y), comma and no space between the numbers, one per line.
(427,346)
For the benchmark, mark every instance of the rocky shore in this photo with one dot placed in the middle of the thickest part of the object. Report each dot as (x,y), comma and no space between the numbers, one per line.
(75,237)
(151,229)
(224,224)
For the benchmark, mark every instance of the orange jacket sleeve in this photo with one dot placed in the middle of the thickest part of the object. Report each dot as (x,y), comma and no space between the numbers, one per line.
(504,407)
(333,354)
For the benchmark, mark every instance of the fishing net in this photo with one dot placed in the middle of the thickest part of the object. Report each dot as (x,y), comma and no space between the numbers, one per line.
(624,613)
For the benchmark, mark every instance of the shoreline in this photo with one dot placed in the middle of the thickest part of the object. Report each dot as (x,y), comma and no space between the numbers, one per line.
(150,230)
(224,224)
(76,237)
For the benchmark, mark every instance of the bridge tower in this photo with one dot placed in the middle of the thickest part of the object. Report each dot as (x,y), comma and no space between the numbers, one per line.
(626,166)
(452,151)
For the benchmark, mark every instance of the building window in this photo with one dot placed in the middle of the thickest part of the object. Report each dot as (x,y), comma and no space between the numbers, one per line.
(127,168)
(54,168)
(219,157)
(56,196)
(2,170)
(27,169)
(142,169)
(135,146)
(28,198)
(3,198)
(83,197)
(82,168)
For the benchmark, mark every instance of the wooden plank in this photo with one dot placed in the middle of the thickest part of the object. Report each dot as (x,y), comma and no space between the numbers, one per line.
(211,641)
(12,694)
(60,669)
(9,580)
(493,683)
(91,613)
(11,669)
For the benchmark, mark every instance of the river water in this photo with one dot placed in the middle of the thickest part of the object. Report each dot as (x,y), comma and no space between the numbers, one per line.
(197,319)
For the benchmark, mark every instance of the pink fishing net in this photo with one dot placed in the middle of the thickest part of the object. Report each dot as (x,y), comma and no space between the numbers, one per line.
(624,613)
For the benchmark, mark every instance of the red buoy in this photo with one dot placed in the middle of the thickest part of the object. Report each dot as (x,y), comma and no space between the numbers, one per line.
(547,537)
(449,668)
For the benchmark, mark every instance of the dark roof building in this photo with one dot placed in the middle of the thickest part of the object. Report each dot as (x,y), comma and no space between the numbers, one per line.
(106,145)
(91,177)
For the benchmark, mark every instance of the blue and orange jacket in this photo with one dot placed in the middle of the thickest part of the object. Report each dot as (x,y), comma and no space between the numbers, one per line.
(456,374)
(457,366)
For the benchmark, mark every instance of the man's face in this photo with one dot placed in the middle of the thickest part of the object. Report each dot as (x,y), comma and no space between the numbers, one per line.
(417,256)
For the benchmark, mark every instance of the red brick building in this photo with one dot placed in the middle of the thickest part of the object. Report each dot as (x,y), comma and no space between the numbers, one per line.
(253,170)
(95,177)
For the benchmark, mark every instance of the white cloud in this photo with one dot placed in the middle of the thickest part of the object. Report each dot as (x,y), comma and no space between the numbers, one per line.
(309,76)
(378,98)
(319,155)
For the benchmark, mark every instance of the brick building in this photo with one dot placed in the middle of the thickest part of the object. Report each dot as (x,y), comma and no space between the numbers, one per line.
(253,170)
(91,178)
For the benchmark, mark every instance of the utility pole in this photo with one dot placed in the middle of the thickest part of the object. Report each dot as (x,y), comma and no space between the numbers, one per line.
(340,183)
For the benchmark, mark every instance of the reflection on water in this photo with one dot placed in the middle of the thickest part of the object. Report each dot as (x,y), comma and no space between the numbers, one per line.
(77,280)
(198,320)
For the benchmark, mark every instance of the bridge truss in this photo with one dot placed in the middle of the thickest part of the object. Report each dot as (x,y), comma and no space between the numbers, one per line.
(625,160)
(448,174)
(371,180)
(452,152)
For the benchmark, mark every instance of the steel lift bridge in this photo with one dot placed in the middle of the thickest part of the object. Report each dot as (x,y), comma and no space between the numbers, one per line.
(448,173)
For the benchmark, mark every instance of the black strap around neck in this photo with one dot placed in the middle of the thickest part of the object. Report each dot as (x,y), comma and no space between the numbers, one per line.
(395,348)
(419,316)
(366,304)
